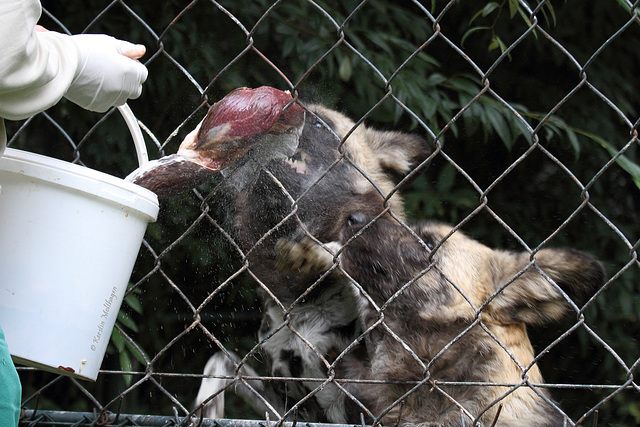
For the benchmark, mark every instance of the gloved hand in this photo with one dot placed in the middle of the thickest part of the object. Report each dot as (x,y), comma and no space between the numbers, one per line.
(108,73)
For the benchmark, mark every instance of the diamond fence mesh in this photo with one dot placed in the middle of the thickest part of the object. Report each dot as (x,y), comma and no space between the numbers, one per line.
(530,112)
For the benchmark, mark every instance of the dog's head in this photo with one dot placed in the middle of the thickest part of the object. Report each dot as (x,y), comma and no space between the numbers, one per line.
(339,168)
(459,277)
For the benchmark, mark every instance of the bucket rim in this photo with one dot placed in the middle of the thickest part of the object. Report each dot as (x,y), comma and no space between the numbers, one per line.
(72,176)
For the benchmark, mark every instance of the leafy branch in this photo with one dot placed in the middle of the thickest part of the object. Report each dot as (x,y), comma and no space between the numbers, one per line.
(495,10)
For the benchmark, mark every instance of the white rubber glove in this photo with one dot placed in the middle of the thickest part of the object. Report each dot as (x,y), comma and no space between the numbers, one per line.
(107,74)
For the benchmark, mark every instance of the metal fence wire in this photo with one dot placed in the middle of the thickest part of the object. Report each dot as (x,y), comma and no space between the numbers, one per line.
(530,113)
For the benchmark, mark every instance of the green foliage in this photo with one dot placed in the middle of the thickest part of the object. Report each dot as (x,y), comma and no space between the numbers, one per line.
(493,11)
(119,343)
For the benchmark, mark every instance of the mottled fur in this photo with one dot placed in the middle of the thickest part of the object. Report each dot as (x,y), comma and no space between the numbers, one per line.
(453,310)
(328,178)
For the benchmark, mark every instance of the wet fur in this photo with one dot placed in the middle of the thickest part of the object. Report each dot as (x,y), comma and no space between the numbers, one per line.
(309,318)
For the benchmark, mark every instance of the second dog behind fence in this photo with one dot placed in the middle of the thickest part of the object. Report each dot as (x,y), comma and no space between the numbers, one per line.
(442,311)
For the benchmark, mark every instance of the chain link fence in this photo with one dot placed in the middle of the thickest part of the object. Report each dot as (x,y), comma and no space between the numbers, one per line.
(531,113)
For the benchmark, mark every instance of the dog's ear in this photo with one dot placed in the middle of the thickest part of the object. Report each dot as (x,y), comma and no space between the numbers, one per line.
(397,152)
(532,298)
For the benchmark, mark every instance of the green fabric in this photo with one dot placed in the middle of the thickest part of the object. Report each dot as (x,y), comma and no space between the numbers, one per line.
(10,388)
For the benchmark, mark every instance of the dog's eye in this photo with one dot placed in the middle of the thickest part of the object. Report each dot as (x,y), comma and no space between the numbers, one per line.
(430,244)
(356,219)
(318,125)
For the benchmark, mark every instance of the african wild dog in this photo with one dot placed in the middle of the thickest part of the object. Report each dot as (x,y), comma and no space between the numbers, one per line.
(462,309)
(313,192)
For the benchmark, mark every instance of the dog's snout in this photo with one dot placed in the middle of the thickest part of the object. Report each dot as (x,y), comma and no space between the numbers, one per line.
(356,219)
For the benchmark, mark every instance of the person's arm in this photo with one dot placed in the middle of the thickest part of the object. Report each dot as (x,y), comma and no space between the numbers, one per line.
(36,69)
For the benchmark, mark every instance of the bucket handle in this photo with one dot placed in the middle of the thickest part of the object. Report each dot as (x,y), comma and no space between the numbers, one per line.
(136,133)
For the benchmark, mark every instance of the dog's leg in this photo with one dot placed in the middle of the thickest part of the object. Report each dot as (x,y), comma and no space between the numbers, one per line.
(220,365)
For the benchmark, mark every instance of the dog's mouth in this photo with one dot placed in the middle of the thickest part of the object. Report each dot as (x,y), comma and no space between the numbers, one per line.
(298,162)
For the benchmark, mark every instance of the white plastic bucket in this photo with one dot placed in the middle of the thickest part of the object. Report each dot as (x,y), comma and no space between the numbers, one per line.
(69,238)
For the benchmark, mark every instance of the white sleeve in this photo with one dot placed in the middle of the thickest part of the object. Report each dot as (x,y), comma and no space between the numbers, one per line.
(36,68)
